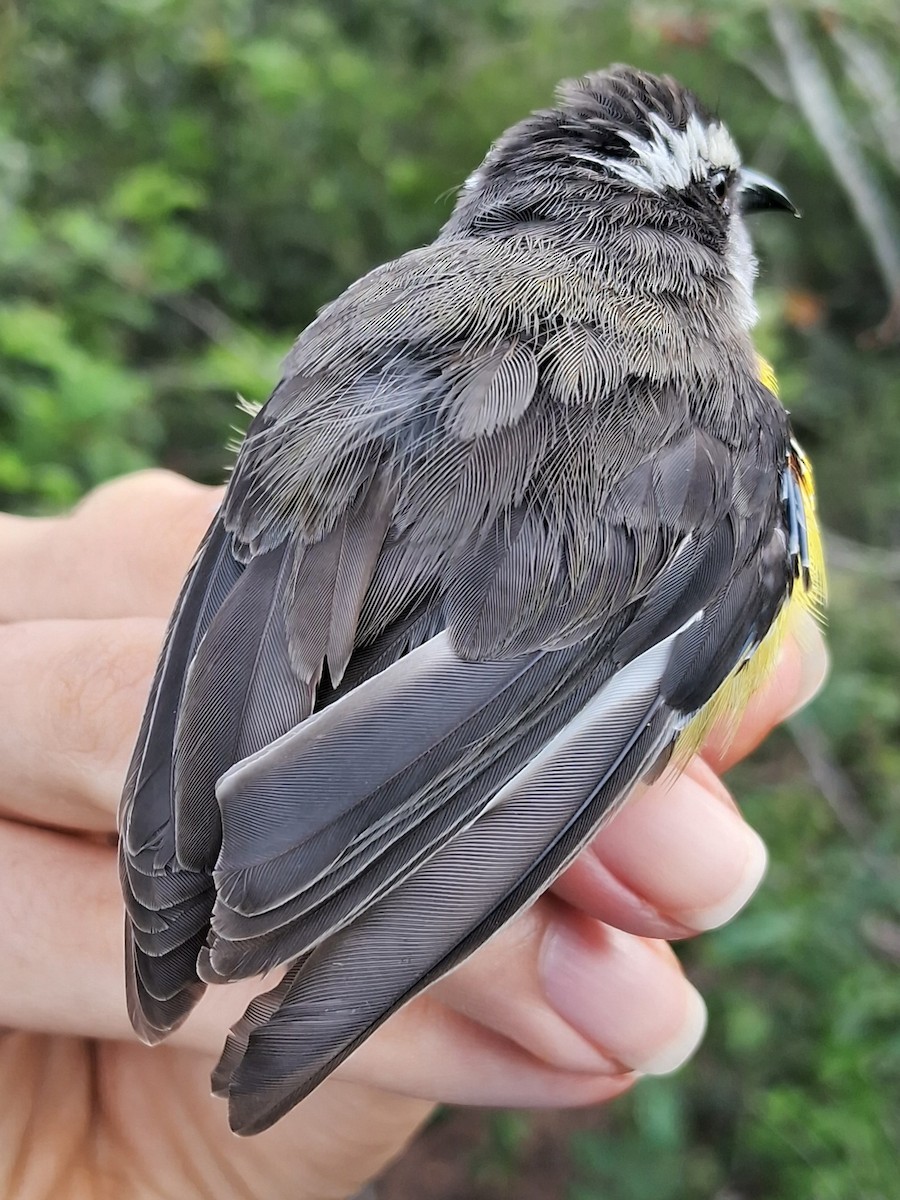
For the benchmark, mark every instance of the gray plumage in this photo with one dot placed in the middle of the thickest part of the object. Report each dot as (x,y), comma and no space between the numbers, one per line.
(514,512)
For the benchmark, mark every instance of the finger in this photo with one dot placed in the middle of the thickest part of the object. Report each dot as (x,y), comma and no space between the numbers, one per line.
(73,696)
(149,1099)
(61,938)
(580,995)
(677,859)
(342,1136)
(62,947)
(801,671)
(122,552)
(62,943)
(433,1053)
(576,999)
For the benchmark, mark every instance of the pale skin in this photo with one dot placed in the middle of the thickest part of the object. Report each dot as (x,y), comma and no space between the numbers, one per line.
(568,1006)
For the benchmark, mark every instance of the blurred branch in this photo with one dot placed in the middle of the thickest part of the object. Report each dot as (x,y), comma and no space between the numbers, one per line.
(841,796)
(845,554)
(821,107)
(203,315)
(882,935)
(770,74)
(876,84)
(831,780)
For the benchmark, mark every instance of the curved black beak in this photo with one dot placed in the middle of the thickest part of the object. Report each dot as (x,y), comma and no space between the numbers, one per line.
(757,192)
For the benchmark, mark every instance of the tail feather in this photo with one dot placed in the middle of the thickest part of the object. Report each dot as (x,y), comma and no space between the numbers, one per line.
(241,665)
(241,692)
(152,1018)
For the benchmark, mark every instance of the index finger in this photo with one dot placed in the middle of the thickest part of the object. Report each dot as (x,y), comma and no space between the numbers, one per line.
(123,552)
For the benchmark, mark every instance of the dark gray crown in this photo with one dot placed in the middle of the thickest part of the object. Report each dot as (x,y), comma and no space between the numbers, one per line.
(604,113)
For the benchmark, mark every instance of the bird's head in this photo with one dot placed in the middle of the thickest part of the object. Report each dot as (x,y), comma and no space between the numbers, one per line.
(621,149)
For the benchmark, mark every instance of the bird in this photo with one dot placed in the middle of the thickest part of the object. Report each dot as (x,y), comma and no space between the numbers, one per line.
(523,517)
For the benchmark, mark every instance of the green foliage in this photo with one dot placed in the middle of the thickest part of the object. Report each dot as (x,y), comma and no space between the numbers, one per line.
(184,182)
(497,1159)
(646,1154)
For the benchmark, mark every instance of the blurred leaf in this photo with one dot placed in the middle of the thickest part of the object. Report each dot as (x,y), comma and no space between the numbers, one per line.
(151,192)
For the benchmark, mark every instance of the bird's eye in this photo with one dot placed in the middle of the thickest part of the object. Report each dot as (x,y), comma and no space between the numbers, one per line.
(720,186)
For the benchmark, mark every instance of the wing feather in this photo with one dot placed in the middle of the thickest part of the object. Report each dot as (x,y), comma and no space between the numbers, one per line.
(453,903)
(230,681)
(168,906)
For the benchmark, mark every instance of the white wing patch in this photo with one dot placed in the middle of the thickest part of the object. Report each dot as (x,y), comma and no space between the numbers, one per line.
(620,705)
(673,158)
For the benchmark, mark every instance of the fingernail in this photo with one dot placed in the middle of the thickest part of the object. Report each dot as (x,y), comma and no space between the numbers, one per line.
(814,661)
(751,875)
(686,850)
(623,994)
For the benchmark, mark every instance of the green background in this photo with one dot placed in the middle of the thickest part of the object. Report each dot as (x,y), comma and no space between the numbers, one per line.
(183,183)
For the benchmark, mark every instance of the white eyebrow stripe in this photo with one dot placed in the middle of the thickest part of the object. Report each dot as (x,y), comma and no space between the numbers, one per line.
(672,158)
(591,158)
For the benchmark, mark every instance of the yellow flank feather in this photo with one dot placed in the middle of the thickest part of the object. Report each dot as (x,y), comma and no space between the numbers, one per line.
(815,594)
(767,376)
(808,594)
(727,706)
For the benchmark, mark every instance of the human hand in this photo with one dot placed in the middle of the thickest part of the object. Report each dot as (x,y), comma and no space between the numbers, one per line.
(565,1007)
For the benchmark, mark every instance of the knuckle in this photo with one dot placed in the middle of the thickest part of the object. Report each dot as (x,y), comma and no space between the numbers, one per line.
(97,691)
(155,486)
(519,1012)
(530,1020)
(142,530)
